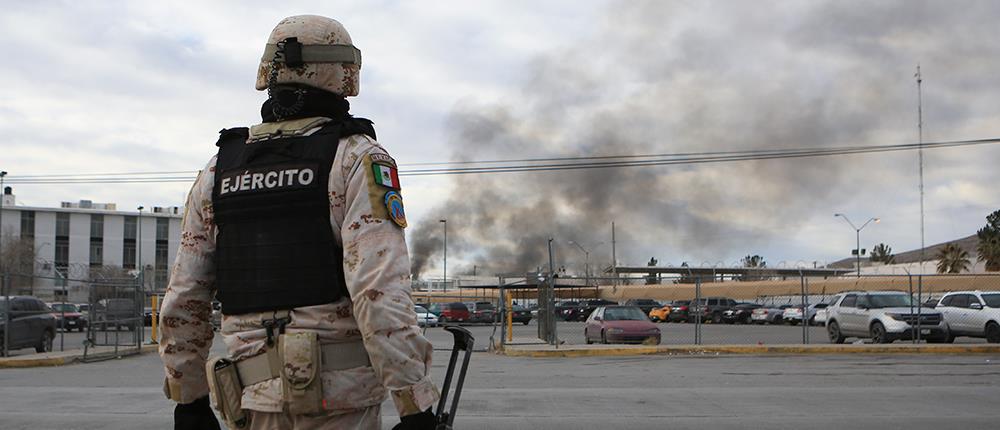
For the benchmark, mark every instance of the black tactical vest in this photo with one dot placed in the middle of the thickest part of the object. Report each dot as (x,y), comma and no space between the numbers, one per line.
(275,247)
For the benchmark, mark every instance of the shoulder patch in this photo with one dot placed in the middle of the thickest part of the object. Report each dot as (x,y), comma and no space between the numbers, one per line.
(394,205)
(383,159)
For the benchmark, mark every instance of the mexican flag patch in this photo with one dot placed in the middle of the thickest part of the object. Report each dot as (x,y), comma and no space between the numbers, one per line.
(386,176)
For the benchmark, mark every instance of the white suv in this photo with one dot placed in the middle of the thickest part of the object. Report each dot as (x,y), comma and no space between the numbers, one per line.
(882,316)
(972,313)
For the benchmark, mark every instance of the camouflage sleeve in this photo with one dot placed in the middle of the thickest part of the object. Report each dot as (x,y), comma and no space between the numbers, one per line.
(185,318)
(377,271)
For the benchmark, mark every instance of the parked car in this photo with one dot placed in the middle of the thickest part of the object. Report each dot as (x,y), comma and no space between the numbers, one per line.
(711,309)
(769,314)
(582,312)
(620,324)
(481,312)
(566,307)
(424,317)
(820,317)
(971,313)
(883,317)
(793,315)
(740,314)
(31,323)
(679,311)
(661,313)
(520,314)
(646,305)
(68,316)
(453,312)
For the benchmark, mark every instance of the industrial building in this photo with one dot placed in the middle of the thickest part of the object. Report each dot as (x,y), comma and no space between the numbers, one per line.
(65,249)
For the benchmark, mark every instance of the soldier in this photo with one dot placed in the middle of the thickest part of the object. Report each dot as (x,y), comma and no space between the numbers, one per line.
(295,226)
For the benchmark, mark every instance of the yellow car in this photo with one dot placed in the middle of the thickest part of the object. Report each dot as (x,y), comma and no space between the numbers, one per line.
(659,314)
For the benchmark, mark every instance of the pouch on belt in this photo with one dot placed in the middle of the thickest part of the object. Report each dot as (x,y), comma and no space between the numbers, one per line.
(302,386)
(227,391)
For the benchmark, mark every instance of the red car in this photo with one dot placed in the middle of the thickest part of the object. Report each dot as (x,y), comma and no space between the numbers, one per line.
(453,312)
(68,316)
(620,324)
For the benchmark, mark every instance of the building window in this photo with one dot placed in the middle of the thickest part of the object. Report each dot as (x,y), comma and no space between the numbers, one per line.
(162,229)
(130,224)
(28,224)
(128,243)
(128,254)
(161,264)
(96,240)
(62,252)
(96,226)
(62,224)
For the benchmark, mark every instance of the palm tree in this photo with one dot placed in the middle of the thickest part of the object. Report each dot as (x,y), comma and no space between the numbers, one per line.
(882,253)
(989,242)
(952,259)
(753,261)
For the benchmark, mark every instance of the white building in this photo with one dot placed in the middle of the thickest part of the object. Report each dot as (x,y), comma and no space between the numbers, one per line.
(85,241)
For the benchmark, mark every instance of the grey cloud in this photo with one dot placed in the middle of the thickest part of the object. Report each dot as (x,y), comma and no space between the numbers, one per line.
(661,78)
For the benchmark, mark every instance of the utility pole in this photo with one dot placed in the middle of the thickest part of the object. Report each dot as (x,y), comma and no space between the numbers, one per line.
(3,195)
(138,250)
(445,274)
(614,255)
(920,155)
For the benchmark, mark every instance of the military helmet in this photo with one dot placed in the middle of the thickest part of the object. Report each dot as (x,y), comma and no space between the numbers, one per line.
(310,50)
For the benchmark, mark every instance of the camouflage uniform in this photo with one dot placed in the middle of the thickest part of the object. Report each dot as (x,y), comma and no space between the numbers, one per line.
(379,310)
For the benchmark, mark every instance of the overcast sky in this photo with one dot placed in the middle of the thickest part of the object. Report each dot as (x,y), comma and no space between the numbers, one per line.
(142,86)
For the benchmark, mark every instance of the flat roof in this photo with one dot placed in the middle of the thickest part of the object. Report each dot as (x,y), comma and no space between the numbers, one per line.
(723,271)
(95,211)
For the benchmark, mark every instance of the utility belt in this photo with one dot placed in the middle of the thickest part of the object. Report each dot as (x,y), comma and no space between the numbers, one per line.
(296,358)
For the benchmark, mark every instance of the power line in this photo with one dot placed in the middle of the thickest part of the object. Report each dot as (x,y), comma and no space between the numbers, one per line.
(535,164)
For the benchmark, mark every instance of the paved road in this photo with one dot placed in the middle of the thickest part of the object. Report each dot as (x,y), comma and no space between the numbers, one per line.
(793,392)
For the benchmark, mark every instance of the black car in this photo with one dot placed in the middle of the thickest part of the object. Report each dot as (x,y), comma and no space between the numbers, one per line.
(711,309)
(646,305)
(580,313)
(740,314)
(565,307)
(520,314)
(31,323)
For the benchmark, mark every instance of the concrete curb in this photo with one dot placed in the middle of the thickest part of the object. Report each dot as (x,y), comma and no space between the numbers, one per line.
(696,350)
(60,358)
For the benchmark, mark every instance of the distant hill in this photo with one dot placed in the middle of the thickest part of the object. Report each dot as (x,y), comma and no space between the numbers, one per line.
(967,243)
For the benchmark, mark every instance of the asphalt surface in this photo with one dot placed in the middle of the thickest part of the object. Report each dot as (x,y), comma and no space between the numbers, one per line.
(742,392)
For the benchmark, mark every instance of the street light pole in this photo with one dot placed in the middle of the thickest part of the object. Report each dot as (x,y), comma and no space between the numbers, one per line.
(857,232)
(2,196)
(587,264)
(138,250)
(445,275)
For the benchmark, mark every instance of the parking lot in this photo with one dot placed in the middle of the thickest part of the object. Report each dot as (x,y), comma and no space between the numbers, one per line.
(683,333)
(677,392)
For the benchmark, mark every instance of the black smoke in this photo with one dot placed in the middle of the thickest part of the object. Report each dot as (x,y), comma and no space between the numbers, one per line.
(673,77)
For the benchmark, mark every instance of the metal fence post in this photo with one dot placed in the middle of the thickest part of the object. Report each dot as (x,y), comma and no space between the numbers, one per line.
(913,327)
(920,303)
(697,310)
(5,286)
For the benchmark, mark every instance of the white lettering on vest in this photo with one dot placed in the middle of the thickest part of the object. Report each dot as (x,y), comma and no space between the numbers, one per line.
(305,176)
(257,181)
(269,179)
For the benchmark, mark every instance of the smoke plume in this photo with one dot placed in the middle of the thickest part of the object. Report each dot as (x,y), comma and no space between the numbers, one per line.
(673,77)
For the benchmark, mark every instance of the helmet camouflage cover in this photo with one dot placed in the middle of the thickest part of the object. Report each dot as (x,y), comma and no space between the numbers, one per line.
(329,60)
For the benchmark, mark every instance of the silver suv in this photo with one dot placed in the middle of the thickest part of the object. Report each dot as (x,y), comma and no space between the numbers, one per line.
(972,313)
(883,317)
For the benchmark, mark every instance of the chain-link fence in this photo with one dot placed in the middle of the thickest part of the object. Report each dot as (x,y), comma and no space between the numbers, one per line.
(101,315)
(785,310)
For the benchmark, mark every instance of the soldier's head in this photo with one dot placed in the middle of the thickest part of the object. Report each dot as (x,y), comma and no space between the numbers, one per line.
(310,50)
